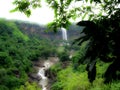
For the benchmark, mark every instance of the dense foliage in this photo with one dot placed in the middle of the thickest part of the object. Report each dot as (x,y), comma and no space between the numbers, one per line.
(101,30)
(103,37)
(69,79)
(17,51)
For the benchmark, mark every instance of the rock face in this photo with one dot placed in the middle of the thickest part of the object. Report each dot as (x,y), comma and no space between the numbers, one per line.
(32,29)
(34,77)
(49,74)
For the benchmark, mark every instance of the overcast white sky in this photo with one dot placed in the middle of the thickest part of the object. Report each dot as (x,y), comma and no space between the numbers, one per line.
(41,16)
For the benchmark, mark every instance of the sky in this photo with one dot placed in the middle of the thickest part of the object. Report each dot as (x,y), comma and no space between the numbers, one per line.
(42,15)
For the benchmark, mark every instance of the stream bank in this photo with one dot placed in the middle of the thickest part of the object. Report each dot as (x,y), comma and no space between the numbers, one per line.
(40,75)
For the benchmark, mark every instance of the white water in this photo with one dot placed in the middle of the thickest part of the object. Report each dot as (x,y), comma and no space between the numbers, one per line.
(46,65)
(44,80)
(64,34)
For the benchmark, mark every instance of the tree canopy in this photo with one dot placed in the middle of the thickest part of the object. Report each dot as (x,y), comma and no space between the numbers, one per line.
(65,10)
(101,19)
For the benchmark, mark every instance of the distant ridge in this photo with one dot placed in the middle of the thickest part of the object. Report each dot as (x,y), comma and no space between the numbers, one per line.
(35,30)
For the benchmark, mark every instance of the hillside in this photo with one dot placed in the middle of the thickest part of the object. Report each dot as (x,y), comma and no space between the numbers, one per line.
(17,51)
(8,27)
(40,31)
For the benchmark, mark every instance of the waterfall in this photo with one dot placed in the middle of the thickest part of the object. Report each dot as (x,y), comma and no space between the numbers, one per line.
(64,34)
(44,79)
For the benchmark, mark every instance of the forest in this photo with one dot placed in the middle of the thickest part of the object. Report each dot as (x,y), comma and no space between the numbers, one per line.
(17,51)
(86,62)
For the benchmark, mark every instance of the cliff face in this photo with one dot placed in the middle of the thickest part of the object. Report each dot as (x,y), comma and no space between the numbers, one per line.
(35,30)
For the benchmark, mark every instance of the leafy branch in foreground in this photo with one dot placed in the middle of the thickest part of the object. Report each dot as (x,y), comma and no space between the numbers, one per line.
(103,37)
(64,10)
(25,6)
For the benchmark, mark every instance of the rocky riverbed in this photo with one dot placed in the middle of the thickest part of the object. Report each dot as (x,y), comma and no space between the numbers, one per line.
(40,73)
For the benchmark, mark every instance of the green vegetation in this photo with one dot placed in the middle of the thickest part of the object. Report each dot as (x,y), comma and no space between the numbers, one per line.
(75,76)
(10,28)
(101,29)
(29,86)
(96,66)
(17,51)
(70,79)
(63,53)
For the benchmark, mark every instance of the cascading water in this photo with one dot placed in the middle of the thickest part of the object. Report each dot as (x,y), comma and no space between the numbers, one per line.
(46,65)
(64,34)
(44,80)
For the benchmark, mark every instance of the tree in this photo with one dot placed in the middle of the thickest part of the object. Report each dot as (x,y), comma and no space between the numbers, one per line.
(103,43)
(101,29)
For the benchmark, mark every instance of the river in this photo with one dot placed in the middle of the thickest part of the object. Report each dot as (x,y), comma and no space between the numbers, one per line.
(44,82)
